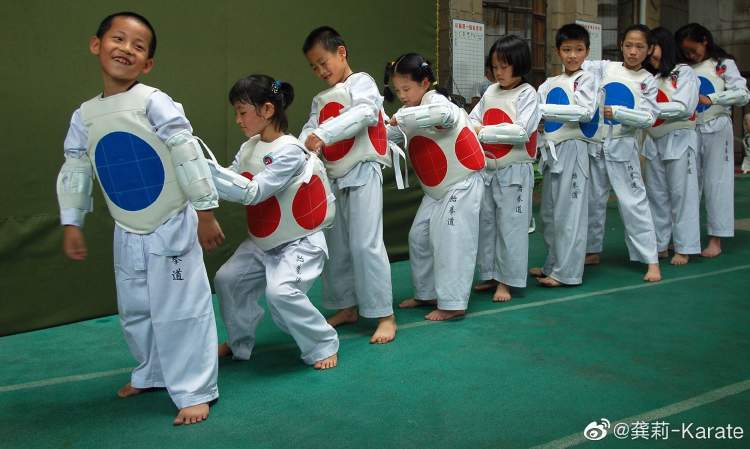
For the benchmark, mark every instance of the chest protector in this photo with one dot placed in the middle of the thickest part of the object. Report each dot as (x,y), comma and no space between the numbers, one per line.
(442,157)
(370,144)
(562,91)
(500,107)
(667,88)
(710,76)
(620,87)
(133,165)
(304,207)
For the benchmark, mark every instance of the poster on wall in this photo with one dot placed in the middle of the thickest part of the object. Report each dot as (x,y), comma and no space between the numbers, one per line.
(595,35)
(468,57)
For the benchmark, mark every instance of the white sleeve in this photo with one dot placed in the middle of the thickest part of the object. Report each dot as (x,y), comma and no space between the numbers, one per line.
(365,108)
(166,116)
(475,116)
(74,147)
(586,96)
(394,134)
(646,110)
(584,102)
(735,88)
(685,99)
(286,163)
(596,69)
(528,115)
(311,124)
(438,98)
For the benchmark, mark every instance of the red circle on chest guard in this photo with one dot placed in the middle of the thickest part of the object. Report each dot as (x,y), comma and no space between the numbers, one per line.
(495,116)
(378,136)
(531,145)
(661,97)
(310,204)
(337,150)
(262,218)
(428,160)
(468,150)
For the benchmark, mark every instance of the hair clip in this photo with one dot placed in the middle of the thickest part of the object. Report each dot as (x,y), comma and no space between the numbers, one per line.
(424,64)
(275,87)
(435,83)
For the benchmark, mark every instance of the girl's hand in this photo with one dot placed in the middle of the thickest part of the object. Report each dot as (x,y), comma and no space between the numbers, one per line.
(608,113)
(74,246)
(210,234)
(702,99)
(313,143)
(477,129)
(393,121)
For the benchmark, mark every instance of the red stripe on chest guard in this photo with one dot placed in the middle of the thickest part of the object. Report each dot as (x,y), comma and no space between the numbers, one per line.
(468,150)
(262,218)
(338,150)
(661,97)
(310,204)
(428,160)
(378,136)
(496,116)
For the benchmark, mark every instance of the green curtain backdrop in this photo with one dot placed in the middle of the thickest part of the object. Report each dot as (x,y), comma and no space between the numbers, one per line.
(203,47)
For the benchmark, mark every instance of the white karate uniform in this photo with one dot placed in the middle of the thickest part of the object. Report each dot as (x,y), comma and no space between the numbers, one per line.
(444,235)
(163,293)
(358,272)
(505,214)
(615,164)
(564,208)
(716,161)
(284,274)
(672,175)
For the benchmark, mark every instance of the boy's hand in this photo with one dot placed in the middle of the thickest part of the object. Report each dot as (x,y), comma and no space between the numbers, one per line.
(393,121)
(702,99)
(608,113)
(210,234)
(74,246)
(313,143)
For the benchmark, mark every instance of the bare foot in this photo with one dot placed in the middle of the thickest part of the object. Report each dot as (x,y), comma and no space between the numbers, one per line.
(191,415)
(663,254)
(485,286)
(502,293)
(680,259)
(536,272)
(413,302)
(443,315)
(592,259)
(714,247)
(653,274)
(128,390)
(549,282)
(386,331)
(224,350)
(343,316)
(327,363)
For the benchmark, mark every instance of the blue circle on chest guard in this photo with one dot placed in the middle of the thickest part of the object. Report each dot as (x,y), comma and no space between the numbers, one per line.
(555,96)
(617,94)
(706,88)
(129,169)
(589,129)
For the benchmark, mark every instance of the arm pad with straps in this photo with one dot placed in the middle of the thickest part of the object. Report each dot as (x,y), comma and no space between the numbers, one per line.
(632,117)
(232,186)
(74,185)
(192,171)
(672,110)
(563,112)
(729,97)
(426,116)
(503,133)
(347,124)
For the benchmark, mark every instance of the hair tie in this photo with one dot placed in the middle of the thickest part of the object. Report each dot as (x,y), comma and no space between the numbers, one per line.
(275,86)
(424,64)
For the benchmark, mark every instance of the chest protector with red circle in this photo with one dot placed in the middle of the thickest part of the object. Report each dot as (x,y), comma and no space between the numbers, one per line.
(667,86)
(304,207)
(500,107)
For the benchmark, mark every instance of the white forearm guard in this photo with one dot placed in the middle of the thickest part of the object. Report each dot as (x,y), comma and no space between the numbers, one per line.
(192,171)
(348,124)
(426,116)
(563,112)
(672,110)
(632,117)
(503,133)
(232,186)
(74,183)
(730,97)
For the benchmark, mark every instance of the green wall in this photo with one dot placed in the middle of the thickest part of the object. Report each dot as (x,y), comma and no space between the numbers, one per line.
(203,48)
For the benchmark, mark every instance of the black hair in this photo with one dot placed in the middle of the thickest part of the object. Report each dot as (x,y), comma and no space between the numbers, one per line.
(665,40)
(416,67)
(327,37)
(646,33)
(106,24)
(514,51)
(257,90)
(698,33)
(572,32)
